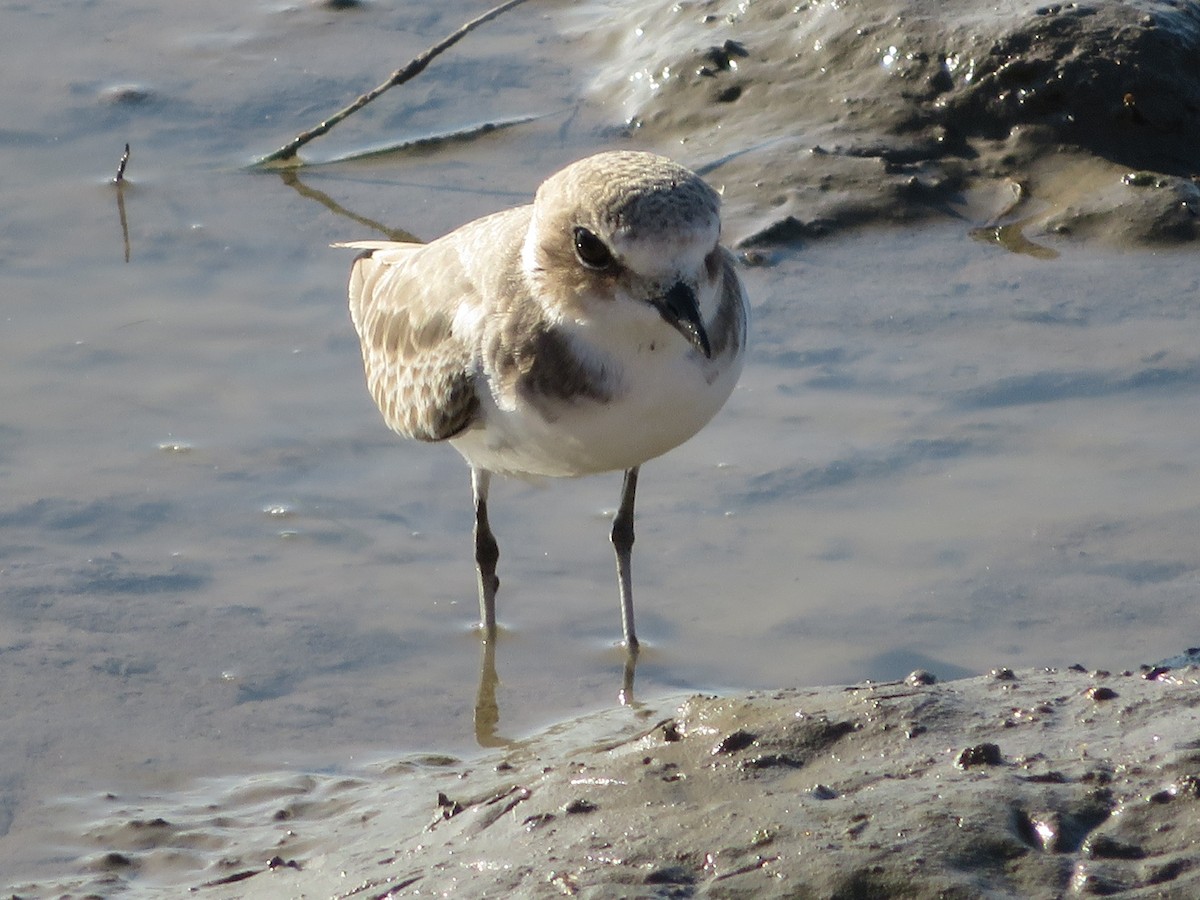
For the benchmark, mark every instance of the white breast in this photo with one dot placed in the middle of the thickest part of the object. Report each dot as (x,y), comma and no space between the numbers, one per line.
(664,391)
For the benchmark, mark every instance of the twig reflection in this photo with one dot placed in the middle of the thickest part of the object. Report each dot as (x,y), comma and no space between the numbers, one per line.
(292,180)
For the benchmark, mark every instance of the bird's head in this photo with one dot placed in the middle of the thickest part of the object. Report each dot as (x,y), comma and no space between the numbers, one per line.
(628,228)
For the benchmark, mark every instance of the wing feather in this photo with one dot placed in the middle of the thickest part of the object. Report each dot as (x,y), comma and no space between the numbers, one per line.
(420,351)
(418,371)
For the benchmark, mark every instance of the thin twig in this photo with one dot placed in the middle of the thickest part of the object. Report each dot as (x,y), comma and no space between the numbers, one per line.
(414,68)
(120,176)
(119,181)
(430,141)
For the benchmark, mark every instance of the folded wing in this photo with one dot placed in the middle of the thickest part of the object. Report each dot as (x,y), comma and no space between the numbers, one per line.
(419,371)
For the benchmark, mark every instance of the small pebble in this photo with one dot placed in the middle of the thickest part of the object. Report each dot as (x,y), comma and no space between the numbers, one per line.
(735,741)
(125,94)
(986,754)
(1141,179)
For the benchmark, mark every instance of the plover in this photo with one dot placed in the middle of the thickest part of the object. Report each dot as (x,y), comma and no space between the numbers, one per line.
(590,331)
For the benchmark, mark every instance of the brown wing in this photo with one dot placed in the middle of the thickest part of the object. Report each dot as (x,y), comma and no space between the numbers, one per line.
(424,313)
(403,300)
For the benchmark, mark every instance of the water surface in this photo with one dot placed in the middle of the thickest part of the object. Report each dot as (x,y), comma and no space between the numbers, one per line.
(215,560)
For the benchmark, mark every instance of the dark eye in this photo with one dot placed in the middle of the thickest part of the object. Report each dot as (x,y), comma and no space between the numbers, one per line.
(591,250)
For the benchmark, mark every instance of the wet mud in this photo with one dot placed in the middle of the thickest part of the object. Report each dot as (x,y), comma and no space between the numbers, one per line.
(1079,118)
(1012,784)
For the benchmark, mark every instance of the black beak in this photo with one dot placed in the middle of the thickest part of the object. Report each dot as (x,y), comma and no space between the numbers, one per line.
(679,310)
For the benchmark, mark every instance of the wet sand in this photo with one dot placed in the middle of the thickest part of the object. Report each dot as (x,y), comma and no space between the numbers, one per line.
(1013,784)
(1021,785)
(1075,119)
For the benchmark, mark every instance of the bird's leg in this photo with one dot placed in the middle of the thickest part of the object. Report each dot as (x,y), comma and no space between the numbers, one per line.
(622,540)
(487,552)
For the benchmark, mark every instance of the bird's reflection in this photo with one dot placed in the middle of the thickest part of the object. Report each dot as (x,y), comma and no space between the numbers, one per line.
(487,707)
(626,695)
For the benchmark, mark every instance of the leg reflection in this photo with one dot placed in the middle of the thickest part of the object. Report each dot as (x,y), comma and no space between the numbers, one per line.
(487,710)
(626,695)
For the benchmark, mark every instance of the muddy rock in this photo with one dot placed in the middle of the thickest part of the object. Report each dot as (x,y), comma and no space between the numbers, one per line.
(1017,787)
(1080,118)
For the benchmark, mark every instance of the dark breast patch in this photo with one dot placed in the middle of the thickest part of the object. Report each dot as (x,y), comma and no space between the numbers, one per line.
(536,361)
(554,372)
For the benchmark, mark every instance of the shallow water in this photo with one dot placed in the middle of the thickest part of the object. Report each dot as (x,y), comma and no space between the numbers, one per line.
(215,560)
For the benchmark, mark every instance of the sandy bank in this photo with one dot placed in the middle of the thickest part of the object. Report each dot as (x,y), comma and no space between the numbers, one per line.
(1027,784)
